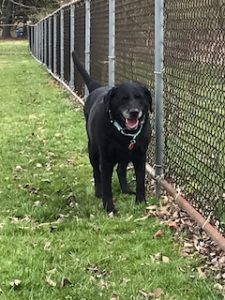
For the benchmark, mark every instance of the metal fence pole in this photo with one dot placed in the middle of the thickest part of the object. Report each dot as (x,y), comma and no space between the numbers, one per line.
(111,70)
(72,44)
(45,41)
(42,41)
(32,38)
(55,44)
(39,41)
(87,38)
(62,44)
(159,115)
(36,40)
(50,43)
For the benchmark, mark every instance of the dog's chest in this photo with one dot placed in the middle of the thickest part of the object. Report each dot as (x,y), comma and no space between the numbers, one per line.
(121,152)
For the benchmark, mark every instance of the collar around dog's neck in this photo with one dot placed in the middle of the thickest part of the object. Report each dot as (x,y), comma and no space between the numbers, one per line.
(122,130)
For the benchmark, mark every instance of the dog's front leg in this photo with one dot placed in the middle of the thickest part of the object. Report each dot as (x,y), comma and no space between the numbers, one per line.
(122,175)
(139,167)
(106,179)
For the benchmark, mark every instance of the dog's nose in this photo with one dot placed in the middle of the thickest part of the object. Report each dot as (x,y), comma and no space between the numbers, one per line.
(134,113)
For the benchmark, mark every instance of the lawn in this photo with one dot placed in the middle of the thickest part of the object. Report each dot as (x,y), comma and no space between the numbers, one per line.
(56,242)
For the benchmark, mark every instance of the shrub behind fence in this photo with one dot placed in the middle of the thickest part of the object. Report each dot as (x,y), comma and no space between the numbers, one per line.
(194,78)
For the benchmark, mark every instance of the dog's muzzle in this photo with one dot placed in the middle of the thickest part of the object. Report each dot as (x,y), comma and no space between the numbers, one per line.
(132,118)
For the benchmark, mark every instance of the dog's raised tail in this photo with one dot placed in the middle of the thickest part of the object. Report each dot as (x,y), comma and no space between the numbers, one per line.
(90,83)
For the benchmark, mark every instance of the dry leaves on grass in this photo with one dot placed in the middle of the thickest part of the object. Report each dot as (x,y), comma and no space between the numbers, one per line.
(97,272)
(159,258)
(156,294)
(193,238)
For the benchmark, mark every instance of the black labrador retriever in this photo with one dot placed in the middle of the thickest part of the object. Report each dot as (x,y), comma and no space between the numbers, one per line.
(118,129)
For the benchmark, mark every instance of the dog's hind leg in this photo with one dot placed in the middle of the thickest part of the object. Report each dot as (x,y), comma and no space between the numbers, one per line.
(122,176)
(94,159)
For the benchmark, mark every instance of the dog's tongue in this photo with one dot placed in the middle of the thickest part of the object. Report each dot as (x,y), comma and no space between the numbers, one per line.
(132,123)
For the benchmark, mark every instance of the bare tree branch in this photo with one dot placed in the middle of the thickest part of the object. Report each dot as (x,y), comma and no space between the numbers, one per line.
(23,5)
(1,8)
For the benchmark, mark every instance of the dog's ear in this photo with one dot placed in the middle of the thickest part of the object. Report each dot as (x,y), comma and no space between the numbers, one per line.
(108,97)
(148,97)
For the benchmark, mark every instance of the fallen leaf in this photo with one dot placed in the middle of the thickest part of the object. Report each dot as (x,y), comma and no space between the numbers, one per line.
(158,293)
(159,234)
(114,297)
(18,168)
(38,165)
(141,219)
(201,274)
(47,246)
(50,281)
(164,200)
(125,281)
(37,203)
(173,225)
(165,259)
(65,282)
(46,180)
(218,287)
(152,207)
(15,283)
(58,135)
(146,295)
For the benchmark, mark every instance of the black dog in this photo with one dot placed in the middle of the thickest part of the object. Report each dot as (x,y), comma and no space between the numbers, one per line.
(118,129)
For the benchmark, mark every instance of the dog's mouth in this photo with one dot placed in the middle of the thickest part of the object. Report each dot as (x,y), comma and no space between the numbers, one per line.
(132,124)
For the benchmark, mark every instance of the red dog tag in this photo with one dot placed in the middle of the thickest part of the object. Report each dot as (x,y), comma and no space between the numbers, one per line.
(131,146)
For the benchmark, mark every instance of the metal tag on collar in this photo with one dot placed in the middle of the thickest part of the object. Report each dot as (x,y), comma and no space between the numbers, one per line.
(131,145)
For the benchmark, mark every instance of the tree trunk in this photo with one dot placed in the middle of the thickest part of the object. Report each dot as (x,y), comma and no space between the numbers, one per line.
(7,19)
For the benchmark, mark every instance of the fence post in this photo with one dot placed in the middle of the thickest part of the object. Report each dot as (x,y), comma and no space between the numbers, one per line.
(159,115)
(39,41)
(34,49)
(36,40)
(72,44)
(62,44)
(31,39)
(50,43)
(111,69)
(42,41)
(54,43)
(87,38)
(45,41)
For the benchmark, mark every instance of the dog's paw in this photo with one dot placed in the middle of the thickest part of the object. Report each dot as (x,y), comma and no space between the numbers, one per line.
(114,213)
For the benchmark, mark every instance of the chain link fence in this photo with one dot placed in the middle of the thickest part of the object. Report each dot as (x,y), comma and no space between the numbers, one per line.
(194,78)
(194,98)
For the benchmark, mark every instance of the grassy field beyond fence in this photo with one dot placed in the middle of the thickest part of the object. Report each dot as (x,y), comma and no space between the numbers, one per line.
(56,242)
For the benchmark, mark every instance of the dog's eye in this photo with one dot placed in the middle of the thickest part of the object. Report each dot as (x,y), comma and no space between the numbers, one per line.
(137,96)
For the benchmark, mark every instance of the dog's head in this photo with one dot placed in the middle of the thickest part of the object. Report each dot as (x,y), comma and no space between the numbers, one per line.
(129,104)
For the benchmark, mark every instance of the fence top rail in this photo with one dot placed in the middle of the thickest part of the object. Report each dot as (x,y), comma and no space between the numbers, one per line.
(57,10)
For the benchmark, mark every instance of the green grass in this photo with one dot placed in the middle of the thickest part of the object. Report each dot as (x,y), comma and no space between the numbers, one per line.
(52,228)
